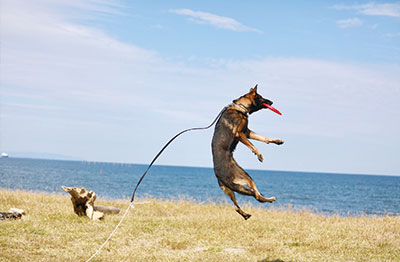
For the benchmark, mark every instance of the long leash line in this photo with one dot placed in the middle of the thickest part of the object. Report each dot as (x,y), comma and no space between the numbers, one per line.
(144,174)
(112,233)
(167,144)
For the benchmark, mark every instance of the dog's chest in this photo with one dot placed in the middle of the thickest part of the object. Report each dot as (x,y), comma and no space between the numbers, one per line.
(235,122)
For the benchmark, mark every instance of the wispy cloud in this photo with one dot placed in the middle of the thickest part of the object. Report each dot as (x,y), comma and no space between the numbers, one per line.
(351,22)
(214,20)
(79,89)
(381,9)
(392,35)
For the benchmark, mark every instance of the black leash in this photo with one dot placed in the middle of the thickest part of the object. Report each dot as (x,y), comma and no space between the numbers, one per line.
(140,180)
(167,144)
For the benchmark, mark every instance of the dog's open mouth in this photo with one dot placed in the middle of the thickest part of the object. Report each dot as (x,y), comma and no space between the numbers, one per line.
(272,108)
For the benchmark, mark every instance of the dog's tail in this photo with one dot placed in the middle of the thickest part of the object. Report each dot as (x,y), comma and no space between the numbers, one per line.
(167,144)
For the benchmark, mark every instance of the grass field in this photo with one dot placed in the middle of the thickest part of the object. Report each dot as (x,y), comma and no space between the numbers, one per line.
(186,231)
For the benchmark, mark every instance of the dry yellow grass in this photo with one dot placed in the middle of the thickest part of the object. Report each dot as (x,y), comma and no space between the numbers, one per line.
(185,231)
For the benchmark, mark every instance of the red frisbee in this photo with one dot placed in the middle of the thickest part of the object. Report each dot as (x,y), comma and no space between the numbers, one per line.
(272,108)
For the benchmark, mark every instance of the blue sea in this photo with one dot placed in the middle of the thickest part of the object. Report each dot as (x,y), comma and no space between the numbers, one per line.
(325,193)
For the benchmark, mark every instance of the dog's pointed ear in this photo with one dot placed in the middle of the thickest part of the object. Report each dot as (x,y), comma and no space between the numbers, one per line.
(254,89)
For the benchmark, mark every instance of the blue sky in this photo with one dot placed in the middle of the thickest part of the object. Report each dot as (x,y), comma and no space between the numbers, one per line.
(114,80)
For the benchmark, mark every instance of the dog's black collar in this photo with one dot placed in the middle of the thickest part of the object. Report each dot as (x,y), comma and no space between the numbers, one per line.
(241,108)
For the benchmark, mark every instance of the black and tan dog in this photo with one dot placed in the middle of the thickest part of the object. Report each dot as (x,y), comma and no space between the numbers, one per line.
(229,130)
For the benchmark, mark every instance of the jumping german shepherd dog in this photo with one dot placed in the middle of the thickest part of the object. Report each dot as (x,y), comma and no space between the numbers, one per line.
(229,130)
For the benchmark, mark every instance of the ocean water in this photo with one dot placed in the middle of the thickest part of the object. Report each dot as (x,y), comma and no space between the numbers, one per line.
(322,192)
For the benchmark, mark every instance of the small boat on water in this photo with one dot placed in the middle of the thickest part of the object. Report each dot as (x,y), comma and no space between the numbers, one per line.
(4,155)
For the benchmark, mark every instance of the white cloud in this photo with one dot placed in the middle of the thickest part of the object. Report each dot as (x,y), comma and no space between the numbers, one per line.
(72,89)
(381,9)
(351,22)
(48,60)
(392,35)
(214,20)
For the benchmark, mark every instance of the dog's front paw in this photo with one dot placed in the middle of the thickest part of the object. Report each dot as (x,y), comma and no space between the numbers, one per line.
(260,157)
(278,141)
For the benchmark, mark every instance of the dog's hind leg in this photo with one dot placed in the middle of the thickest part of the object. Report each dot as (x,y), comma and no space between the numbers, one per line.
(259,196)
(246,186)
(232,196)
